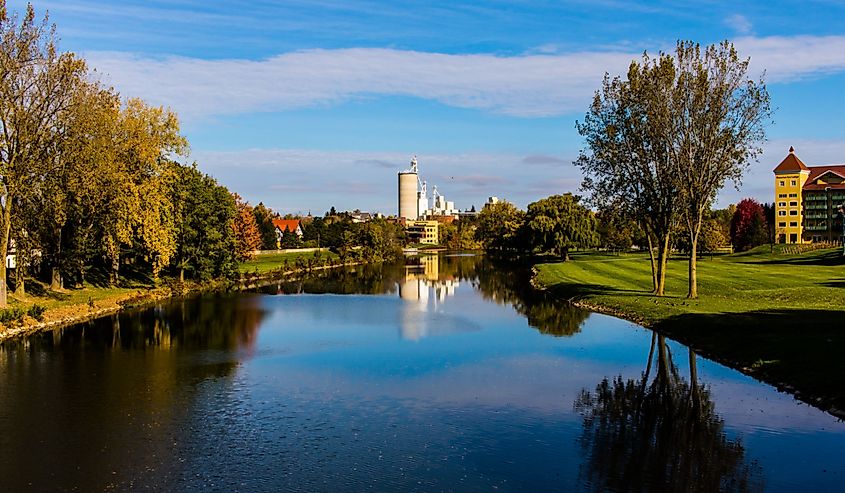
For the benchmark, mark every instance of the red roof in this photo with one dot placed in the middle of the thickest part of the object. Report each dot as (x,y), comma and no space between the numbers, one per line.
(816,172)
(791,163)
(289,224)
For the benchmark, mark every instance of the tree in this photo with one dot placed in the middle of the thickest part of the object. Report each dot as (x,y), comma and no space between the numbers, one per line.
(247,235)
(616,231)
(712,237)
(500,227)
(718,118)
(290,239)
(204,213)
(559,223)
(264,222)
(626,163)
(36,85)
(748,225)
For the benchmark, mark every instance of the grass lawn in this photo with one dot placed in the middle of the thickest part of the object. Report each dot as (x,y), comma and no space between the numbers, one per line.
(267,262)
(778,317)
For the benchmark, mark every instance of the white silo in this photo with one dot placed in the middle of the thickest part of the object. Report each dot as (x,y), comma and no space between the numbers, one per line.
(408,198)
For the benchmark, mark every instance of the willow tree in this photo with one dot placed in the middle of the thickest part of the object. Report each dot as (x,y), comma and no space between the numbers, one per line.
(36,87)
(718,115)
(559,223)
(626,163)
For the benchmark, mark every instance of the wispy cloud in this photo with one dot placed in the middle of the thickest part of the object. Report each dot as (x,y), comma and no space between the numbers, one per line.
(543,159)
(739,23)
(525,86)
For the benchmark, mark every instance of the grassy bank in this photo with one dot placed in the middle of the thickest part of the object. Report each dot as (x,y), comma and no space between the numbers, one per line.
(267,262)
(71,305)
(775,316)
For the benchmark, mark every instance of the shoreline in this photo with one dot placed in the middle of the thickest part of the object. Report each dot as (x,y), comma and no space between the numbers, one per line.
(821,402)
(65,316)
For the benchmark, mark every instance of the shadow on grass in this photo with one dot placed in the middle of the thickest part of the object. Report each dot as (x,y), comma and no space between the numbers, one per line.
(835,283)
(830,258)
(801,349)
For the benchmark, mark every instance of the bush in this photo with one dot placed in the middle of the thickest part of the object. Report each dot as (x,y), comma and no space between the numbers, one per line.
(36,312)
(12,316)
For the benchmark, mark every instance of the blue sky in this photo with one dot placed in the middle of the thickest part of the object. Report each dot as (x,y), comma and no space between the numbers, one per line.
(306,105)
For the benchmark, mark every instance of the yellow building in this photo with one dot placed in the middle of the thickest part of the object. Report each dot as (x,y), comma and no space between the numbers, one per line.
(790,176)
(809,201)
(422,232)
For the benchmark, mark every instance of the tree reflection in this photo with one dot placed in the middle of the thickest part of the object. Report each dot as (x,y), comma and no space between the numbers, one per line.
(508,282)
(659,435)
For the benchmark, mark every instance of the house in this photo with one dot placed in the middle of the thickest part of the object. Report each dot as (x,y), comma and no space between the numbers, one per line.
(808,201)
(289,225)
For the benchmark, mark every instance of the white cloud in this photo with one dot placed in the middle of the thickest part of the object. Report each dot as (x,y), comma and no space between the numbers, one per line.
(739,23)
(533,85)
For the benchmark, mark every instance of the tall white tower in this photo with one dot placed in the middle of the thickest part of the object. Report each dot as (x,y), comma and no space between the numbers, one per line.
(408,194)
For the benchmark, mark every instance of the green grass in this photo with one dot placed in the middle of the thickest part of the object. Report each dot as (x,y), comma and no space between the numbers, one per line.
(778,317)
(271,261)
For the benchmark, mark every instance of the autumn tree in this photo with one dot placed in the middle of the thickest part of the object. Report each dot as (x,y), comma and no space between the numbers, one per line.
(36,85)
(500,226)
(559,223)
(718,114)
(247,234)
(748,225)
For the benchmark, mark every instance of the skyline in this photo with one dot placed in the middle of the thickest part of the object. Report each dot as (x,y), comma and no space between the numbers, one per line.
(306,106)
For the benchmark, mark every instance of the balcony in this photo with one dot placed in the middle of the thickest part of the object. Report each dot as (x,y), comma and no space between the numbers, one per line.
(816,215)
(816,206)
(817,227)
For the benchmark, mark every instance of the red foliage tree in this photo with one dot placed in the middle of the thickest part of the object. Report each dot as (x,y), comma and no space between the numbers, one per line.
(748,225)
(247,234)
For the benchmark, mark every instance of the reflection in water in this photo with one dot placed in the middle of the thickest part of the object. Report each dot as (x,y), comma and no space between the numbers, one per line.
(661,435)
(250,392)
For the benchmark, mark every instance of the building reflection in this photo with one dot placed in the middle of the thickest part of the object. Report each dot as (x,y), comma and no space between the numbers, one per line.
(425,283)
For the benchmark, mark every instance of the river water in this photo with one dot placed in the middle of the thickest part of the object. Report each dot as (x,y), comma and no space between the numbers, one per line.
(439,375)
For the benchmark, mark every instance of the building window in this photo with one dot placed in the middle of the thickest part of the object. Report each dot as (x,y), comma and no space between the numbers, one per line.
(793,213)
(781,183)
(793,195)
(793,238)
(781,225)
(794,183)
(781,195)
(793,224)
(781,204)
(793,204)
(781,213)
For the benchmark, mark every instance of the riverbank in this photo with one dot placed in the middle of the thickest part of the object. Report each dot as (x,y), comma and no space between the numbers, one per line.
(777,317)
(71,306)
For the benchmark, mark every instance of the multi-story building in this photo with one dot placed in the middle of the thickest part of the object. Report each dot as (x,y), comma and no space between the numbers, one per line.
(808,201)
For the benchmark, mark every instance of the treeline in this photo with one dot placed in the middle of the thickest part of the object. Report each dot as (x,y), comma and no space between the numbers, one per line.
(560,223)
(90,186)
(374,240)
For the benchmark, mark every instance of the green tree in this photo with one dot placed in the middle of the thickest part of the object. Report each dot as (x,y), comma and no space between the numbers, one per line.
(204,213)
(264,222)
(500,227)
(559,223)
(626,163)
(718,115)
(615,230)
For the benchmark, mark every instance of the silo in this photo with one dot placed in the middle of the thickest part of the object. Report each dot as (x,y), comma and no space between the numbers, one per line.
(408,195)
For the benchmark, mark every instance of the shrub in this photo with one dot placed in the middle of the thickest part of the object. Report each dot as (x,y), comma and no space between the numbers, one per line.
(36,312)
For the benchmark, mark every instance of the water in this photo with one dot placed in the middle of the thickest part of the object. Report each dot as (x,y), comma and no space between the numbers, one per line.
(440,376)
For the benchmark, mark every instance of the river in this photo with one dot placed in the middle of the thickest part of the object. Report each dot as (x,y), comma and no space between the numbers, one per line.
(444,374)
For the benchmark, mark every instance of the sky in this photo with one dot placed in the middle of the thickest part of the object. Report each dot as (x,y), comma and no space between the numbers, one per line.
(305,105)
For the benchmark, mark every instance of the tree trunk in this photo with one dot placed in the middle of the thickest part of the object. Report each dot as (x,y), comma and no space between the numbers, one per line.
(20,287)
(653,264)
(662,261)
(56,283)
(181,274)
(5,229)
(693,262)
(565,255)
(115,268)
